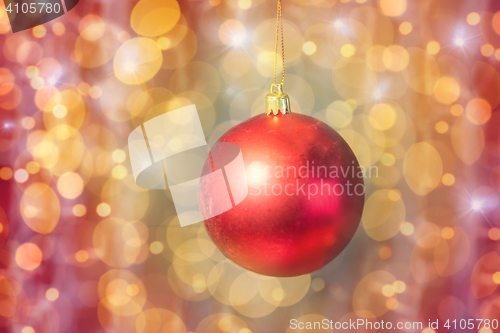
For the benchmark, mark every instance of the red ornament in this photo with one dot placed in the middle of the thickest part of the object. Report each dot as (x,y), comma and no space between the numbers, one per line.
(297,217)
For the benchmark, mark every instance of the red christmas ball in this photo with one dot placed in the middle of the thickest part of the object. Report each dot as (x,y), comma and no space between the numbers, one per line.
(305,196)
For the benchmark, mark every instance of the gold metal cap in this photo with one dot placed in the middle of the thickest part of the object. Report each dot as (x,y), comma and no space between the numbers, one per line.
(277,101)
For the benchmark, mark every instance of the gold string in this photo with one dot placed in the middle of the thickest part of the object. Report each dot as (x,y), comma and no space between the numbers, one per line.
(279,34)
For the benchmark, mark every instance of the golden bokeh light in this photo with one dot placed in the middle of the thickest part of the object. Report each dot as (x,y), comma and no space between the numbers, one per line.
(446,90)
(384,252)
(132,289)
(375,58)
(28,256)
(448,179)
(70,185)
(156,247)
(478,111)
(58,29)
(495,22)
(119,172)
(95,92)
(395,58)
(122,250)
(207,81)
(456,110)
(32,167)
(388,290)
(182,40)
(317,284)
(132,102)
(6,173)
(487,50)
(236,63)
(447,233)
(392,303)
(68,100)
(39,31)
(82,256)
(485,330)
(309,48)
(388,159)
(423,71)
(28,329)
(159,320)
(79,210)
(244,4)
(480,285)
(393,7)
(232,33)
(442,127)
(393,213)
(123,36)
(496,277)
(119,156)
(96,45)
(154,17)
(52,294)
(89,20)
(339,114)
(137,61)
(473,18)
(394,195)
(494,234)
(40,208)
(219,322)
(399,286)
(163,43)
(348,50)
(28,123)
(368,299)
(423,168)
(467,139)
(382,116)
(405,28)
(433,47)
(407,228)
(103,209)
(112,290)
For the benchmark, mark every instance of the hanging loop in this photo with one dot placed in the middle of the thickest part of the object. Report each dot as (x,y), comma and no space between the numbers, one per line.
(277,101)
(279,37)
(278,87)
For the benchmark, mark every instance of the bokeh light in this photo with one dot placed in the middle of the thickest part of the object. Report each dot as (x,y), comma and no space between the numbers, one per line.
(473,18)
(28,256)
(52,294)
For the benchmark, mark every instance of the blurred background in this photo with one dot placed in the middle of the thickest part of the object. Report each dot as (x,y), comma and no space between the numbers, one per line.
(412,86)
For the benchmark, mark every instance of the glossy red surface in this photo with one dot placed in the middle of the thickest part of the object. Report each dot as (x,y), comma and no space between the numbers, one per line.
(293,231)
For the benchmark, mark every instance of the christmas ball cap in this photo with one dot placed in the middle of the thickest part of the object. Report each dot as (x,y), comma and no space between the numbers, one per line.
(277,101)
